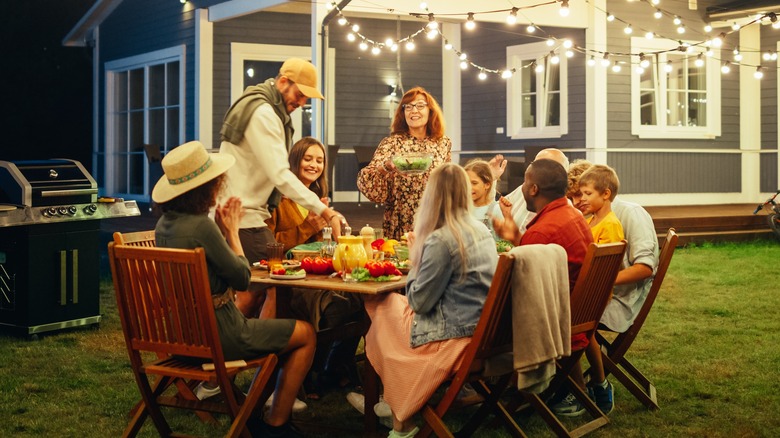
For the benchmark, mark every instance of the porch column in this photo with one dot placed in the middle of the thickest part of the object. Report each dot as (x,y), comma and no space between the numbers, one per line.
(318,122)
(750,113)
(204,78)
(596,86)
(451,95)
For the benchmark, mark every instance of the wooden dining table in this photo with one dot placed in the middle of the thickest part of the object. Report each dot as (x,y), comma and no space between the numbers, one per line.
(335,283)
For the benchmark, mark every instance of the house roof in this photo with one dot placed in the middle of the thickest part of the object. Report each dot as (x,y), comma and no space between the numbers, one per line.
(81,34)
(741,8)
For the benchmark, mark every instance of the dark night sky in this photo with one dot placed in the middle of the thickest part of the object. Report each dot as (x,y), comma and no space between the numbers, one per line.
(47,88)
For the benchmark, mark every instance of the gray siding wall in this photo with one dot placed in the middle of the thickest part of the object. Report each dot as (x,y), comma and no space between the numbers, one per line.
(363,107)
(484,102)
(143,26)
(769,170)
(668,172)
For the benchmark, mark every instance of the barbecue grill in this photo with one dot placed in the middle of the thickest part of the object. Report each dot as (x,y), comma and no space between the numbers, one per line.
(49,245)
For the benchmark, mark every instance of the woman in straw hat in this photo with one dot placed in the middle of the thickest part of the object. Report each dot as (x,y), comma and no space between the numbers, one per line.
(188,190)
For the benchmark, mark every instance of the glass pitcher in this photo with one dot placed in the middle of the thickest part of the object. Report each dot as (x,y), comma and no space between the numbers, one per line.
(350,250)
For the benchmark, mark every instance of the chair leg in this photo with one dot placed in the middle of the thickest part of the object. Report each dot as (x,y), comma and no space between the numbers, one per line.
(492,404)
(149,396)
(371,397)
(640,387)
(263,375)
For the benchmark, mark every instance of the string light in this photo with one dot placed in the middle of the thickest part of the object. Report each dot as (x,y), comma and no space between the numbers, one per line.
(351,37)
(655,2)
(355,28)
(628,30)
(512,17)
(616,67)
(726,68)
(550,42)
(410,45)
(708,28)
(668,67)
(759,73)
(375,50)
(470,24)
(531,28)
(447,45)
(432,24)
(554,58)
(677,21)
(539,68)
(482,75)
(464,65)
(342,20)
(568,44)
(699,61)
(605,61)
(658,14)
(681,29)
(591,61)
(363,45)
(643,61)
(610,17)
(506,74)
(735,27)
(564,11)
(649,35)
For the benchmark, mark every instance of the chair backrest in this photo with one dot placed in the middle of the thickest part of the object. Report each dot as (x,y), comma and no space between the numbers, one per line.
(493,334)
(593,288)
(164,301)
(137,238)
(664,260)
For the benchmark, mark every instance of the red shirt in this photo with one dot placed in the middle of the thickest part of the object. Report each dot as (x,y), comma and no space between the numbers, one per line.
(560,223)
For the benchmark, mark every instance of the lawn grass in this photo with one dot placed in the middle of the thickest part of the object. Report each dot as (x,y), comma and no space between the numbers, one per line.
(710,345)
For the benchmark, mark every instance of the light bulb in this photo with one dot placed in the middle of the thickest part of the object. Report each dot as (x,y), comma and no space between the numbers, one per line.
(649,35)
(668,67)
(375,50)
(470,24)
(432,33)
(250,72)
(394,47)
(735,26)
(677,21)
(591,61)
(708,27)
(564,8)
(538,68)
(567,44)
(759,72)
(463,56)
(342,20)
(464,65)
(766,56)
(610,17)
(605,61)
(717,41)
(738,57)
(355,28)
(550,42)
(569,54)
(554,59)
(432,24)
(512,17)
(655,2)
(681,29)
(506,74)
(531,28)
(699,61)
(447,45)
(482,75)
(658,14)
(616,67)
(628,30)
(639,70)
(363,45)
(351,37)
(643,61)
(776,25)
(410,45)
(726,68)
(389,42)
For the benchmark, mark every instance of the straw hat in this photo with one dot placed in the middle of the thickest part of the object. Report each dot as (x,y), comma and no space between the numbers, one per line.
(304,75)
(187,167)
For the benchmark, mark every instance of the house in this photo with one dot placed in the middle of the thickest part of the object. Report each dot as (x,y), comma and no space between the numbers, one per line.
(660,110)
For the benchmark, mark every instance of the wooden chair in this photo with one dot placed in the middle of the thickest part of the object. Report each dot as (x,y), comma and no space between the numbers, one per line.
(137,238)
(492,336)
(590,296)
(613,353)
(165,307)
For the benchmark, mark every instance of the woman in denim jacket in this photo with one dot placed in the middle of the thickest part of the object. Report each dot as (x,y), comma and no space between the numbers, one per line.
(416,341)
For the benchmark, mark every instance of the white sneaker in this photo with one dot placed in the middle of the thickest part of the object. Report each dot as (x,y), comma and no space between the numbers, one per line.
(381,409)
(298,406)
(204,391)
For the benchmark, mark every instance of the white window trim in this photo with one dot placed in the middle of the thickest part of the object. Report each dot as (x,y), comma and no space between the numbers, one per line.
(661,130)
(176,53)
(515,56)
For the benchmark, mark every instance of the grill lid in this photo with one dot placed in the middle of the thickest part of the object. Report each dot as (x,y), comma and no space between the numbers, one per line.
(46,182)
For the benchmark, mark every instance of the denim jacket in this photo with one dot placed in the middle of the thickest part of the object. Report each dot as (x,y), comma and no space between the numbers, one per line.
(445,306)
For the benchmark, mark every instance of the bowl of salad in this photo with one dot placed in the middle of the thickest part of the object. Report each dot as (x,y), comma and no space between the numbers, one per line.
(412,163)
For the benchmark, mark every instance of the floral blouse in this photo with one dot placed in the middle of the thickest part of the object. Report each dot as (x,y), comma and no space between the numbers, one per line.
(398,192)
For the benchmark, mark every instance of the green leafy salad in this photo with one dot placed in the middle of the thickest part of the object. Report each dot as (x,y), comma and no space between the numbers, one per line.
(412,164)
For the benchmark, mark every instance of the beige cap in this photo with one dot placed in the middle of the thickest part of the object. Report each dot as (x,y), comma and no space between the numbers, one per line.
(304,74)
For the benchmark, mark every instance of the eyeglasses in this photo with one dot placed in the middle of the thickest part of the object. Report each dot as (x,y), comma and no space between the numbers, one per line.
(419,105)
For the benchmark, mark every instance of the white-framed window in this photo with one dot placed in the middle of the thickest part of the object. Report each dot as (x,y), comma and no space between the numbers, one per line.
(537,94)
(678,94)
(144,106)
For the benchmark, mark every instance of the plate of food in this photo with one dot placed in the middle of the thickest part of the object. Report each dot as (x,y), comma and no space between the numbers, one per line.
(412,163)
(402,265)
(263,264)
(289,274)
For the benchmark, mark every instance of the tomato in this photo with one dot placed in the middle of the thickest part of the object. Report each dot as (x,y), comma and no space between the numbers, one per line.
(264,262)
(330,265)
(375,268)
(306,264)
(320,266)
(388,267)
(279,271)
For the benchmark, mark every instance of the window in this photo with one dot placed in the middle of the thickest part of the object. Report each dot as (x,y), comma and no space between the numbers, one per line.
(678,95)
(537,96)
(144,106)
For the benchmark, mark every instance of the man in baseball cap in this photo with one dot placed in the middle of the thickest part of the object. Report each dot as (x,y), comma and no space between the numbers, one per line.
(258,132)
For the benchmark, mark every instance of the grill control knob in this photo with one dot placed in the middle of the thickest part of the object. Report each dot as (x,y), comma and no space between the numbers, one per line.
(62,211)
(72,210)
(90,209)
(49,212)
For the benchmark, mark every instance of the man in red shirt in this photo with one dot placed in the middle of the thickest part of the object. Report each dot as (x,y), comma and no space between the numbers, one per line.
(556,221)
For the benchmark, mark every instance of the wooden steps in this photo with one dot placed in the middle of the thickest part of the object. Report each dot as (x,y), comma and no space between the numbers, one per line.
(711,223)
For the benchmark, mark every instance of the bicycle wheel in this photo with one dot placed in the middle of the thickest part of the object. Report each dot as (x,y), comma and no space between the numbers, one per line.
(774,223)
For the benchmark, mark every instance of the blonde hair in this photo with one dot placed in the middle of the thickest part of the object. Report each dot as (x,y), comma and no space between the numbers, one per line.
(481,168)
(602,177)
(576,169)
(445,203)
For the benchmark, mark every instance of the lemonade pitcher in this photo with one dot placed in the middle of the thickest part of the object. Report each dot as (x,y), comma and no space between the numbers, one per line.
(350,250)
